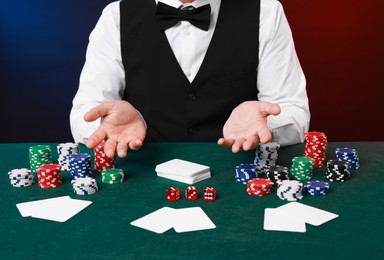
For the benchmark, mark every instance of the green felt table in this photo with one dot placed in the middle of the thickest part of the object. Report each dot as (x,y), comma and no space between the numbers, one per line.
(103,230)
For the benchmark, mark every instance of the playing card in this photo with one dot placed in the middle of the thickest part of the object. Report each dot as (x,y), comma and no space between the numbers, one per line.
(276,220)
(158,221)
(191,219)
(308,214)
(56,209)
(27,208)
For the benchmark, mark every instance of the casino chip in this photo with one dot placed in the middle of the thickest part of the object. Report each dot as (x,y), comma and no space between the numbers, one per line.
(278,173)
(302,168)
(350,156)
(266,156)
(64,150)
(112,176)
(84,186)
(259,187)
(290,190)
(102,162)
(21,177)
(337,171)
(80,165)
(316,188)
(49,176)
(245,172)
(315,147)
(39,155)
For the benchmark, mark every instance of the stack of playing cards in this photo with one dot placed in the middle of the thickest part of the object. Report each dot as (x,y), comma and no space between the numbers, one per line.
(183,171)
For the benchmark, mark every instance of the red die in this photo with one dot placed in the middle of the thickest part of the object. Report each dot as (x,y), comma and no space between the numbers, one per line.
(209,194)
(191,193)
(172,193)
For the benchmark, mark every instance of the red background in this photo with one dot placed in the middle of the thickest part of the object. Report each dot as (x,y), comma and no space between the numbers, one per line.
(340,45)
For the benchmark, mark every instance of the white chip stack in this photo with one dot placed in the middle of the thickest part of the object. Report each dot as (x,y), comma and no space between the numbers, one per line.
(183,171)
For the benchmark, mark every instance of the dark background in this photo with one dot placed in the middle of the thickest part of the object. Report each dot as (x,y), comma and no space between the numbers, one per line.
(43,43)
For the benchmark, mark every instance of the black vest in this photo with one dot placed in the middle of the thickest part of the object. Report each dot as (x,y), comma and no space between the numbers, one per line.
(173,108)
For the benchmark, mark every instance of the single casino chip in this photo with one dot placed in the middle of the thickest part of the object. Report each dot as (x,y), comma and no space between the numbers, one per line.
(49,176)
(315,147)
(266,156)
(64,150)
(172,194)
(84,186)
(290,190)
(209,194)
(102,162)
(191,193)
(259,187)
(348,155)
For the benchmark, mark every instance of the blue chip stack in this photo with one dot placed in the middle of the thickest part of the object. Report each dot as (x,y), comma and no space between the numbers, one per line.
(245,172)
(349,155)
(316,188)
(290,190)
(64,151)
(80,165)
(337,171)
(266,156)
(84,186)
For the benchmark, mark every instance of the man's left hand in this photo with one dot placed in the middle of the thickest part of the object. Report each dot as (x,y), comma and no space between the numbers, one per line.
(247,126)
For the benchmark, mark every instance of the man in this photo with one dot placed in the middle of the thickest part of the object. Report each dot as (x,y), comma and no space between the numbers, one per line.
(147,76)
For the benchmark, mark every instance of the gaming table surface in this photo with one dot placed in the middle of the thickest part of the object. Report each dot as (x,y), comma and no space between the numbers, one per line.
(103,230)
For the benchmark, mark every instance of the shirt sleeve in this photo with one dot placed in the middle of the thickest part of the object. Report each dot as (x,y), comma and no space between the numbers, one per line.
(102,77)
(280,76)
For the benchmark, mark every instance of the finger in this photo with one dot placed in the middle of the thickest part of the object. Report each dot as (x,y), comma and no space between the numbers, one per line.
(122,149)
(226,142)
(251,143)
(97,112)
(110,147)
(97,137)
(237,146)
(135,144)
(265,135)
(267,108)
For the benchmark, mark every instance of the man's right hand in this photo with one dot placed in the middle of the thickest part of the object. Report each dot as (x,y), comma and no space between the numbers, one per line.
(121,127)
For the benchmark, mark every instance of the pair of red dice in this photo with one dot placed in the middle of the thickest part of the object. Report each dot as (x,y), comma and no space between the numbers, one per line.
(191,193)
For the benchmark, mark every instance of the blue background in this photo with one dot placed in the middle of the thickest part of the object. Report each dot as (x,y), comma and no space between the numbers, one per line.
(42,51)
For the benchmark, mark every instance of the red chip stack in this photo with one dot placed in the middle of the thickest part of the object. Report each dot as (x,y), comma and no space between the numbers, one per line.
(259,187)
(49,176)
(315,147)
(102,162)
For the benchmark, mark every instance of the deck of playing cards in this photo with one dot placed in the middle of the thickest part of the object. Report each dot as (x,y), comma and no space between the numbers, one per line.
(183,171)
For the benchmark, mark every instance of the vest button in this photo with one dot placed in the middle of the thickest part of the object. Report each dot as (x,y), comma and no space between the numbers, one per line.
(191,97)
(192,131)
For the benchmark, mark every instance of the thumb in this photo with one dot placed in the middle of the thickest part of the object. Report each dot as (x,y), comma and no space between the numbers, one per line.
(267,108)
(100,111)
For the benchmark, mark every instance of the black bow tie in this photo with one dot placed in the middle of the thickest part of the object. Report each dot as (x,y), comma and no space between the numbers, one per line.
(167,16)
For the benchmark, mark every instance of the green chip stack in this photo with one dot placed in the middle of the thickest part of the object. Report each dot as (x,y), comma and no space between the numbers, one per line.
(112,176)
(302,168)
(39,155)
